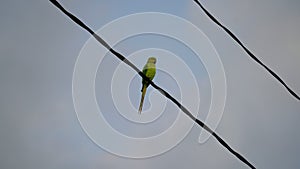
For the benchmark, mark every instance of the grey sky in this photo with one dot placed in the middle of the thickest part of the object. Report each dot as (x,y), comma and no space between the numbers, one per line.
(39,47)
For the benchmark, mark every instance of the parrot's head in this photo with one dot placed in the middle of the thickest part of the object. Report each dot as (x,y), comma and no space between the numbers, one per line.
(152,60)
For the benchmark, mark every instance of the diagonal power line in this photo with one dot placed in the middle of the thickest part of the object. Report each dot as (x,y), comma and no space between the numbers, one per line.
(162,91)
(247,50)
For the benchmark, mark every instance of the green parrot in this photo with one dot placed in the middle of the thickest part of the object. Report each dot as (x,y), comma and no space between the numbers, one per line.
(149,71)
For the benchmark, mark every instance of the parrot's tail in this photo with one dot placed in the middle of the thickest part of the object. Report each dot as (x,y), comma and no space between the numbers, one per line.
(142,99)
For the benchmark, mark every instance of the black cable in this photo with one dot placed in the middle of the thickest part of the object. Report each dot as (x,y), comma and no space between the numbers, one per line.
(162,91)
(247,50)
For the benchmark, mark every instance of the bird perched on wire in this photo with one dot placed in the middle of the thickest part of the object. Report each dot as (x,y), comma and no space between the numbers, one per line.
(149,71)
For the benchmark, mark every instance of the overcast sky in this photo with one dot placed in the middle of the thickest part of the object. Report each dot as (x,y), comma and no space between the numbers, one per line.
(39,47)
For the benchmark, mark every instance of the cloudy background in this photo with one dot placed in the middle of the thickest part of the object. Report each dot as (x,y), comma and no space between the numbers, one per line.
(39,47)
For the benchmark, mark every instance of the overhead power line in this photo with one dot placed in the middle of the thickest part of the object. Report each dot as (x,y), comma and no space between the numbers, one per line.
(162,91)
(247,50)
